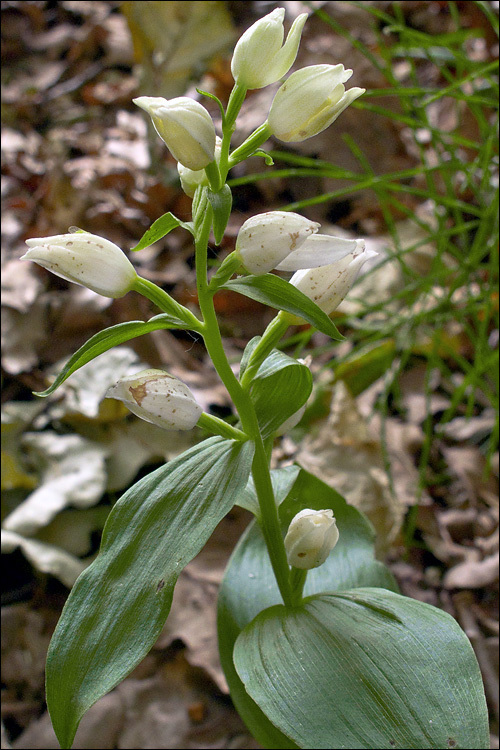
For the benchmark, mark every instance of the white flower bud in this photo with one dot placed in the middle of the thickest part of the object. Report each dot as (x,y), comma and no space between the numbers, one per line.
(310,538)
(327,286)
(309,101)
(265,240)
(159,398)
(259,59)
(191,179)
(84,259)
(185,127)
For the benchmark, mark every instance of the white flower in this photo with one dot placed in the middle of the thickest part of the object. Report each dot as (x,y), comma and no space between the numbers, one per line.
(191,179)
(309,101)
(288,242)
(317,250)
(327,286)
(84,259)
(310,538)
(185,127)
(266,239)
(158,397)
(259,59)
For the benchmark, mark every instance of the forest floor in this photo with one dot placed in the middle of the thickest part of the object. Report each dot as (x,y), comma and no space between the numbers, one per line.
(403,420)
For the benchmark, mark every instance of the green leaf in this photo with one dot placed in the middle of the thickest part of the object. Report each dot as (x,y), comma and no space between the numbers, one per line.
(216,100)
(119,604)
(249,585)
(366,668)
(107,339)
(221,203)
(276,292)
(282,481)
(267,157)
(159,229)
(366,365)
(280,387)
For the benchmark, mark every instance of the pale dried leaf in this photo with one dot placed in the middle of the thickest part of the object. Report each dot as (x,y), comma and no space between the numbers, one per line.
(344,455)
(84,391)
(472,574)
(44,557)
(73,474)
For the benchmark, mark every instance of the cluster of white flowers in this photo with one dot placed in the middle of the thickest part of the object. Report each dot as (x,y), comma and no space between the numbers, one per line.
(308,102)
(324,267)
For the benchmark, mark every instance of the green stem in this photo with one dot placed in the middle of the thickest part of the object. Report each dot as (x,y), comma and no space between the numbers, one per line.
(217,426)
(271,336)
(236,99)
(252,143)
(213,174)
(165,302)
(260,467)
(227,268)
(297,581)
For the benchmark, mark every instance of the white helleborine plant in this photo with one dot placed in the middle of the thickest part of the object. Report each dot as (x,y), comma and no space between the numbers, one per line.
(310,538)
(309,101)
(286,241)
(295,661)
(259,57)
(84,259)
(159,398)
(327,286)
(185,126)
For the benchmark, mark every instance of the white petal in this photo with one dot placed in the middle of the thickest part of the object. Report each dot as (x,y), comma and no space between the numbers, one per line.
(317,250)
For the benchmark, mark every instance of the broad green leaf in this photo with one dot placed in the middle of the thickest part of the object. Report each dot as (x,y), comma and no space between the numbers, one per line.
(276,292)
(249,585)
(159,229)
(366,365)
(221,203)
(280,387)
(282,481)
(365,668)
(107,339)
(119,604)
(248,351)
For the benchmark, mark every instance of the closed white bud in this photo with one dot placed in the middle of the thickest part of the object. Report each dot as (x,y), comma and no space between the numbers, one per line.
(309,101)
(159,398)
(84,259)
(327,286)
(185,126)
(259,57)
(191,179)
(310,538)
(265,240)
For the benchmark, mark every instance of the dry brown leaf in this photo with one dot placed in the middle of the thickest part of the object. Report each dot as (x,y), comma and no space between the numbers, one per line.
(472,574)
(345,455)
